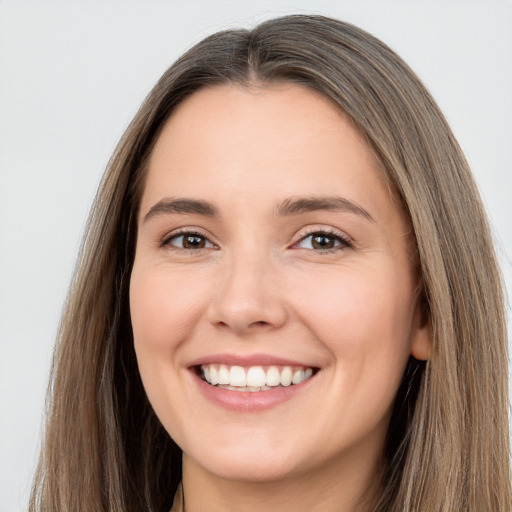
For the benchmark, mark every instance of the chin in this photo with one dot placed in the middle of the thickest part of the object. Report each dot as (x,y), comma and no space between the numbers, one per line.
(253,465)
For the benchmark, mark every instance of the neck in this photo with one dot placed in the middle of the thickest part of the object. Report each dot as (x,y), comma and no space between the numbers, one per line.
(335,487)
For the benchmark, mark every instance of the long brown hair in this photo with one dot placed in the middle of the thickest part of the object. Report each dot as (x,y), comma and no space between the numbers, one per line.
(448,447)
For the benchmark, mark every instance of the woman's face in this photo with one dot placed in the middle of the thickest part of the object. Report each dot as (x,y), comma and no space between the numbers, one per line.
(272,261)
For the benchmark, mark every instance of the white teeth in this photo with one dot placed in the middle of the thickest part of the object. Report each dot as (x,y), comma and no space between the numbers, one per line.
(223,374)
(237,377)
(286,376)
(273,378)
(298,376)
(254,378)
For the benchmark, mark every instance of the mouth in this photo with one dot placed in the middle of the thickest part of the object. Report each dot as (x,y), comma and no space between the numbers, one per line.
(253,378)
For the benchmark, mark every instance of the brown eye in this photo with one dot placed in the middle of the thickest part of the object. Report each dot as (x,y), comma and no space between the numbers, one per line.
(193,242)
(189,241)
(321,241)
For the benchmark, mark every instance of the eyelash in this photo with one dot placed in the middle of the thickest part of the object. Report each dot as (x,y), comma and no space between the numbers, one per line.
(344,242)
(166,242)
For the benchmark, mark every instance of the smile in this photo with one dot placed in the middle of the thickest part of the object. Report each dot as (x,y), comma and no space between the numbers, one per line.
(253,378)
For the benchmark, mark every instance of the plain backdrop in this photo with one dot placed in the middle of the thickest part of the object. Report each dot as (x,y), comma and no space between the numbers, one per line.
(72,74)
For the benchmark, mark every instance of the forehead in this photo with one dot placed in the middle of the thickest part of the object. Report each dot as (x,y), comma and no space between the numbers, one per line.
(252,115)
(271,141)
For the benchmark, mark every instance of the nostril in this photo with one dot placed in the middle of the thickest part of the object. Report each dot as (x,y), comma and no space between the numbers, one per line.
(259,323)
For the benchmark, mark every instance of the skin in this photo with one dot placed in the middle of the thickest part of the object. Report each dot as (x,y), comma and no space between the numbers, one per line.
(259,285)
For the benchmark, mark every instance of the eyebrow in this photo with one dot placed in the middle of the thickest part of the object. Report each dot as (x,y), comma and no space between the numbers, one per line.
(166,206)
(289,207)
(302,205)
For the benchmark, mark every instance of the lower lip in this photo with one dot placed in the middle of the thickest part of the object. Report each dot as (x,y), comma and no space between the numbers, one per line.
(250,401)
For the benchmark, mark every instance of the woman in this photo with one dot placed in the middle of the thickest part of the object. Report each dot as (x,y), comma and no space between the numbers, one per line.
(287,296)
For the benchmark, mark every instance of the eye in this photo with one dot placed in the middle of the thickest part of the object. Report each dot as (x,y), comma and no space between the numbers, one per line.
(323,241)
(188,240)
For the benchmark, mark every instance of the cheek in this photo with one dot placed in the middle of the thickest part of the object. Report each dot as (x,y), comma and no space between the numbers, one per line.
(165,306)
(363,317)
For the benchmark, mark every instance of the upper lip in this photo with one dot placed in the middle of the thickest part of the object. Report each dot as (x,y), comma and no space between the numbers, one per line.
(247,360)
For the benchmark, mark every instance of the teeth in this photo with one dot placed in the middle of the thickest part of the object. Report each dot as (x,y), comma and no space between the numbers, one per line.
(273,377)
(286,376)
(237,377)
(254,378)
(223,374)
(298,376)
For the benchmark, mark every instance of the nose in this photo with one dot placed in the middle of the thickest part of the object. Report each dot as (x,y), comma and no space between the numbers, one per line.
(249,297)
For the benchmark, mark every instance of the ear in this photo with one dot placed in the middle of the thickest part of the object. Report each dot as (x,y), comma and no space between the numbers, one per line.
(421,346)
(421,335)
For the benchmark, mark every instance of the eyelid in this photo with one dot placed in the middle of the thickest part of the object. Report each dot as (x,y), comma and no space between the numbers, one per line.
(329,231)
(346,241)
(187,230)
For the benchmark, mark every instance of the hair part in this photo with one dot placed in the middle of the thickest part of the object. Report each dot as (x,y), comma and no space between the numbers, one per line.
(448,446)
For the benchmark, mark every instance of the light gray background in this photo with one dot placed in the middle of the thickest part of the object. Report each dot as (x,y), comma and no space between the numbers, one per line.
(73,74)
